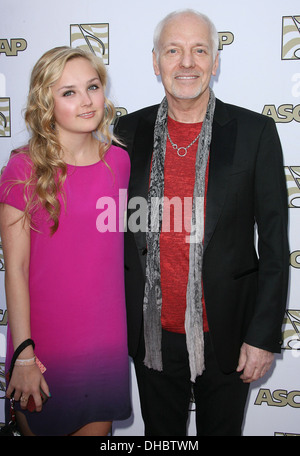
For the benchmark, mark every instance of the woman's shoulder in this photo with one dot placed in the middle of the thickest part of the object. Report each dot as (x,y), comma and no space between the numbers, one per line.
(20,157)
(118,150)
(14,176)
(117,153)
(118,159)
(19,163)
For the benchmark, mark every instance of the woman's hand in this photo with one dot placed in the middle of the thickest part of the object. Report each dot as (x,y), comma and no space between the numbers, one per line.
(27,381)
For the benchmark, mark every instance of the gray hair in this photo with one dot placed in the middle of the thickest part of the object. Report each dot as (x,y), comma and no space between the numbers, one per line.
(160,26)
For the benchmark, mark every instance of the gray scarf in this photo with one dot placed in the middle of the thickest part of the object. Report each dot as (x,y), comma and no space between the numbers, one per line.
(153,296)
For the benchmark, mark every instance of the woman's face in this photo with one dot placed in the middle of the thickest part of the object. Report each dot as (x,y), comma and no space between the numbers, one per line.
(78,99)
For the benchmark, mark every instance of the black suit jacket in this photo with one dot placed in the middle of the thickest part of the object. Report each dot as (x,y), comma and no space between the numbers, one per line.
(245,292)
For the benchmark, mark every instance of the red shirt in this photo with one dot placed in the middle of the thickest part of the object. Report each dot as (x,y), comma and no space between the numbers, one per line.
(179,182)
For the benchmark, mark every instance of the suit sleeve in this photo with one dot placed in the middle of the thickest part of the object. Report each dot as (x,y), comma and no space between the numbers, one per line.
(271,213)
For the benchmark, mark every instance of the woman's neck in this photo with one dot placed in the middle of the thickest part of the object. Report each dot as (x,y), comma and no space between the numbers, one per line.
(81,151)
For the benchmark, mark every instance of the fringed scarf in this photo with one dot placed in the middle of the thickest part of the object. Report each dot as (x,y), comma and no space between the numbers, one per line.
(153,295)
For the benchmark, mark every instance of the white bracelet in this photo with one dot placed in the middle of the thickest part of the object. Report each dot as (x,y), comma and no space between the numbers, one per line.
(25,362)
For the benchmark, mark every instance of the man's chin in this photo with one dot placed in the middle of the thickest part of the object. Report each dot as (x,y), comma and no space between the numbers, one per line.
(187,94)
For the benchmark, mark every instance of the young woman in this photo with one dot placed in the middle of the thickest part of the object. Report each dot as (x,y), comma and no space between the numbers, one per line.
(64,276)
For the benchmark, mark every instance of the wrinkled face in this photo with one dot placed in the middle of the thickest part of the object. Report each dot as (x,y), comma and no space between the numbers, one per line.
(78,98)
(185,62)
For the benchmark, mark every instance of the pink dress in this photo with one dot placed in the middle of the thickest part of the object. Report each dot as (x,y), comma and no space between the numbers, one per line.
(78,317)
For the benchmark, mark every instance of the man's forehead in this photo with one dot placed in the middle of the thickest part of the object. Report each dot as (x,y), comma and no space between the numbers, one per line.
(177,37)
(175,30)
(182,20)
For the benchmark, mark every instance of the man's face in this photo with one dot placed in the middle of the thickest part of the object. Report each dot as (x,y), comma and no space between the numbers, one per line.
(185,61)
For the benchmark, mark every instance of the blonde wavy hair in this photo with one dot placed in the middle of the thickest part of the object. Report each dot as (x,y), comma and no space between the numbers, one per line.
(49,170)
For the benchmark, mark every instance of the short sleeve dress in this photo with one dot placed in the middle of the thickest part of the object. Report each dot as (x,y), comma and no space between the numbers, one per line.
(76,284)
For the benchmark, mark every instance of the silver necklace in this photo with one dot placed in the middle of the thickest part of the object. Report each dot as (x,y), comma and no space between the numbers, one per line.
(185,149)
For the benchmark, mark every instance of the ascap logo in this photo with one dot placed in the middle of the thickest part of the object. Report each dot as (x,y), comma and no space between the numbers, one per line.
(295,259)
(12,47)
(2,268)
(284,113)
(292,174)
(279,398)
(291,331)
(119,112)
(284,434)
(225,39)
(91,37)
(2,381)
(5,117)
(3,320)
(290,38)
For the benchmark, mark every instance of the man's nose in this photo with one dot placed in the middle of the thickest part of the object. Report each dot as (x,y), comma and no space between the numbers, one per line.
(187,59)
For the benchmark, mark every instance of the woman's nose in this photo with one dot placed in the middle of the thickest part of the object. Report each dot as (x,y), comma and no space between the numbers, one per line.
(86,99)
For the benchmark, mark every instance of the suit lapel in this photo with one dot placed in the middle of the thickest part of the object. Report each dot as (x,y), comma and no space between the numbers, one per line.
(221,159)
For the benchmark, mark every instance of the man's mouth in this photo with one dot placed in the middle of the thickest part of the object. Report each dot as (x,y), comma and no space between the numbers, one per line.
(187,77)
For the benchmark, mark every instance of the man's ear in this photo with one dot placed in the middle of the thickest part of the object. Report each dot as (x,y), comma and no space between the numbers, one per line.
(155,63)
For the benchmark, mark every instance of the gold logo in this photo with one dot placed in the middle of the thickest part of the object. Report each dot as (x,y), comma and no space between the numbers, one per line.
(292,174)
(285,434)
(2,268)
(291,330)
(295,259)
(13,47)
(290,38)
(278,398)
(5,117)
(2,381)
(91,37)
(225,39)
(285,113)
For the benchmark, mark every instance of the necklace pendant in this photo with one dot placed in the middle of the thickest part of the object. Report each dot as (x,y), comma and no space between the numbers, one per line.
(185,151)
(182,148)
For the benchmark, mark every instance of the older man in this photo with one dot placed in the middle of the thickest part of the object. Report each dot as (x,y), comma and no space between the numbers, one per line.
(204,309)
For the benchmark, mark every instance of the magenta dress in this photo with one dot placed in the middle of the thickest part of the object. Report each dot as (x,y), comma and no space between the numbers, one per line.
(78,317)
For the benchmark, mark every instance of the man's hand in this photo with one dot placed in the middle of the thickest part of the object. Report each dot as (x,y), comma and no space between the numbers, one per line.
(254,362)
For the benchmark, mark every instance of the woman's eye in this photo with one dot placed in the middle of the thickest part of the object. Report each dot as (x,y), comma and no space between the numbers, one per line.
(94,87)
(68,93)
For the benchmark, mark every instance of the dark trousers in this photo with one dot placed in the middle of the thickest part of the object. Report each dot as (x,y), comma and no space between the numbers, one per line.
(166,396)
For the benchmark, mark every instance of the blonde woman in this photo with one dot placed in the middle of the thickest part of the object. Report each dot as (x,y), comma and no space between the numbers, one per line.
(64,275)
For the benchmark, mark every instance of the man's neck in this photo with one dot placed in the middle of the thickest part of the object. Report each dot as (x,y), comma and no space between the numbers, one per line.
(188,110)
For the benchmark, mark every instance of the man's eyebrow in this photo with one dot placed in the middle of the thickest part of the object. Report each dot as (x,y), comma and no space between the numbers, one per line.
(179,43)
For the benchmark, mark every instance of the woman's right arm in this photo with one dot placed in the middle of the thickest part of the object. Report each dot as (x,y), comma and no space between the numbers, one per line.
(15,236)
